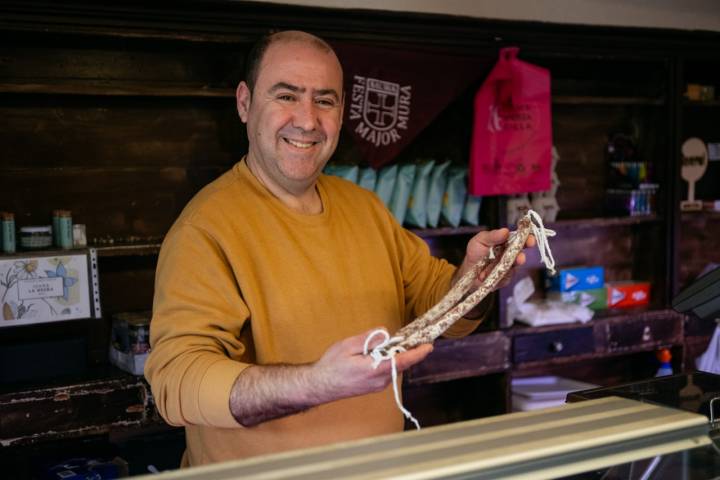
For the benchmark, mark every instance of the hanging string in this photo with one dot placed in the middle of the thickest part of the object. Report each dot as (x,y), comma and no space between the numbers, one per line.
(379,354)
(541,235)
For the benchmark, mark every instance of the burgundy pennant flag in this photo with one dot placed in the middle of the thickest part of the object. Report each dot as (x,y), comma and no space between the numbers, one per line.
(392,95)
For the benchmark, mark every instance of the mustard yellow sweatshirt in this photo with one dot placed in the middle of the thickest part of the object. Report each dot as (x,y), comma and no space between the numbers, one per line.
(241,279)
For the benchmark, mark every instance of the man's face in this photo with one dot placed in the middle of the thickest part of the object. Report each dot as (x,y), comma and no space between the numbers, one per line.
(294,114)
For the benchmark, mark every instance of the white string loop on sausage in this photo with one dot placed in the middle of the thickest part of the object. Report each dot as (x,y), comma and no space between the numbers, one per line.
(380,353)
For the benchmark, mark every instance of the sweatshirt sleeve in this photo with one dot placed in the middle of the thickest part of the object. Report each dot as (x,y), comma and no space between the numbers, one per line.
(426,279)
(196,331)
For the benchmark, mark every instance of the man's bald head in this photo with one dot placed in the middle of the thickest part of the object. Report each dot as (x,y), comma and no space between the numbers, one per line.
(257,52)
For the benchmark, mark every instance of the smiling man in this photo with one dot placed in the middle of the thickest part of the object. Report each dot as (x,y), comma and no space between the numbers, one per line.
(274,274)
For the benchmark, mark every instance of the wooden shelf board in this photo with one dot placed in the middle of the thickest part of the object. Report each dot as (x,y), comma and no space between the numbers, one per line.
(152,248)
(447,231)
(703,214)
(604,221)
(121,89)
(120,250)
(707,103)
(611,315)
(596,100)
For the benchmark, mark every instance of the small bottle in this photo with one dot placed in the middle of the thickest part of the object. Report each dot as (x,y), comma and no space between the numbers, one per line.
(56,227)
(7,232)
(664,358)
(65,230)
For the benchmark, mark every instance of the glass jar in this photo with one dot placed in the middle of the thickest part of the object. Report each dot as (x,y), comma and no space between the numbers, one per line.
(36,237)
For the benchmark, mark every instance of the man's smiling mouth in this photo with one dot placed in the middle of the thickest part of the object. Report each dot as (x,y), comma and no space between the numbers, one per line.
(298,144)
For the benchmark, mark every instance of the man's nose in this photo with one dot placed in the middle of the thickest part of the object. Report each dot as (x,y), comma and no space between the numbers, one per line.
(306,116)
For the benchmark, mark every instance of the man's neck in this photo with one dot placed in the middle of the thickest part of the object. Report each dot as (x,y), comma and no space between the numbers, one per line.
(306,201)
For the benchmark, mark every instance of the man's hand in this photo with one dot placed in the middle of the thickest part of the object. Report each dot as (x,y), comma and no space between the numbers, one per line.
(262,393)
(479,246)
(343,371)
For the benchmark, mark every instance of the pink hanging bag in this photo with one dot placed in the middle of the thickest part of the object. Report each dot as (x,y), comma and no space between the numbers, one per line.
(512,132)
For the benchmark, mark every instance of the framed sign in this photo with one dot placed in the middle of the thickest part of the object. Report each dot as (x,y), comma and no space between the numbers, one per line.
(49,287)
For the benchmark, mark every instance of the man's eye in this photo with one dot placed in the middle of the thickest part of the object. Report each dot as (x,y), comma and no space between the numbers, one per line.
(325,102)
(286,98)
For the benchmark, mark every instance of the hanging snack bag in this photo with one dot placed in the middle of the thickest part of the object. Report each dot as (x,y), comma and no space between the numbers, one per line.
(348,172)
(471,210)
(401,192)
(436,192)
(367,178)
(454,198)
(386,178)
(417,203)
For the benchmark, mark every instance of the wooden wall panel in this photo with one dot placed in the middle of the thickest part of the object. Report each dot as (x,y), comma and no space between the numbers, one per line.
(698,233)
(124,169)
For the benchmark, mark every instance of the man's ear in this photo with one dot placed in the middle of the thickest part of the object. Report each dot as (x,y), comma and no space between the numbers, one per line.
(242,96)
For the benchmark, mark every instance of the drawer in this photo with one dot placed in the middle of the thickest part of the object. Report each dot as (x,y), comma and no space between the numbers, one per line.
(470,356)
(643,333)
(547,345)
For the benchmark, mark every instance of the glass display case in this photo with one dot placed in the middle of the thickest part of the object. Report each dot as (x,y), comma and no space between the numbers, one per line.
(609,437)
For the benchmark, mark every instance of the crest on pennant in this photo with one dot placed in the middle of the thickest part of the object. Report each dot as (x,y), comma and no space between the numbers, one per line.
(380,110)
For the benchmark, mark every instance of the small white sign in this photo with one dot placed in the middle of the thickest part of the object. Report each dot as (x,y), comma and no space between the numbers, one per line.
(40,288)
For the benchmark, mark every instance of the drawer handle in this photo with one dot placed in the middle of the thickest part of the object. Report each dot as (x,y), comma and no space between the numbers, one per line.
(647,334)
(556,346)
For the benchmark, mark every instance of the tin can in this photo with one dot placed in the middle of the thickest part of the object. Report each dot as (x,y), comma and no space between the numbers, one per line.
(131,332)
(7,230)
(139,335)
(65,229)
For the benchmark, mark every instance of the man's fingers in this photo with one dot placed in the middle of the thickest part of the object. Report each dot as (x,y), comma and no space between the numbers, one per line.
(407,359)
(495,237)
(357,343)
(531,242)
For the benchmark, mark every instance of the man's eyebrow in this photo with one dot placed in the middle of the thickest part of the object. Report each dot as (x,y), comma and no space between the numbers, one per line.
(286,86)
(294,88)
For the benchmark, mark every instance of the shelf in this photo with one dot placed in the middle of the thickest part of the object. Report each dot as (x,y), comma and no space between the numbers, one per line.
(447,231)
(596,100)
(707,103)
(115,88)
(605,221)
(124,250)
(701,214)
(610,315)
(153,248)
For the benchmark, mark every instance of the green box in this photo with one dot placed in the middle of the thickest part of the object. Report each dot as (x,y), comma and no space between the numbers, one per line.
(594,299)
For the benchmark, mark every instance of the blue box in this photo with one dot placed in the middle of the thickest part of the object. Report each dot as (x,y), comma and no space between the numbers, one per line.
(577,278)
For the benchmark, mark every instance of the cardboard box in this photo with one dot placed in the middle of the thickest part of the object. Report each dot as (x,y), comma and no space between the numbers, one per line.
(577,278)
(594,299)
(628,294)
